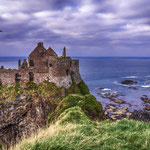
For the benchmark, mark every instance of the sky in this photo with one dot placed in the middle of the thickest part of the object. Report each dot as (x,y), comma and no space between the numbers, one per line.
(85,27)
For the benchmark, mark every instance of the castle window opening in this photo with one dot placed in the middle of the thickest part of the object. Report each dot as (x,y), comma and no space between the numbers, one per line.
(75,63)
(31,76)
(50,65)
(31,63)
(17,77)
(0,82)
(67,72)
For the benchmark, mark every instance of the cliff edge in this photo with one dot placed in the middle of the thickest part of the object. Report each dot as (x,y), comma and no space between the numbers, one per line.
(24,110)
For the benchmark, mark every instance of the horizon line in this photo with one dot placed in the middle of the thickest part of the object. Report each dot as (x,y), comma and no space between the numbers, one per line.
(92,56)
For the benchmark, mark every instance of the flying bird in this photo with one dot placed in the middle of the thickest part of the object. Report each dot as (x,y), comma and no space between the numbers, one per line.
(1,31)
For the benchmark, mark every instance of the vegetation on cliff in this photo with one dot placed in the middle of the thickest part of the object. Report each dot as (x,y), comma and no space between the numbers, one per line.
(44,89)
(80,88)
(77,122)
(88,104)
(75,131)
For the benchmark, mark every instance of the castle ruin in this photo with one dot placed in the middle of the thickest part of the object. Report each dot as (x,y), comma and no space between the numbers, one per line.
(43,65)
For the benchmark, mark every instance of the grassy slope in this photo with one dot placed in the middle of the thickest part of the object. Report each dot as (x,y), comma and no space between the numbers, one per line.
(74,131)
(88,104)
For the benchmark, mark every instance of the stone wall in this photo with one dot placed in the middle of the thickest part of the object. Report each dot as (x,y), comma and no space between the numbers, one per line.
(75,71)
(7,77)
(61,67)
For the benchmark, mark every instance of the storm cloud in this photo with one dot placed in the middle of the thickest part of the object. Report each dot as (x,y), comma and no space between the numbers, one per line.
(85,27)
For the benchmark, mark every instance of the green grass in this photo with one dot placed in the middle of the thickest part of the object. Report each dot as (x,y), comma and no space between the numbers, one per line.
(75,131)
(10,92)
(80,88)
(44,89)
(2,146)
(88,104)
(76,123)
(83,88)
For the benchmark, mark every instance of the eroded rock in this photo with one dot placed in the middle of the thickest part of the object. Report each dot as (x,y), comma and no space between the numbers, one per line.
(116,114)
(147,107)
(129,82)
(113,96)
(19,119)
(145,99)
(140,115)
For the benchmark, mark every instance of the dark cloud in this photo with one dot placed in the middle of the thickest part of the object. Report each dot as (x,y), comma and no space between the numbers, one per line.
(91,27)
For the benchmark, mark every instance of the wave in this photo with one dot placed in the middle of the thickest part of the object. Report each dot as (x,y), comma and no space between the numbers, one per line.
(145,86)
(103,89)
(106,89)
(131,77)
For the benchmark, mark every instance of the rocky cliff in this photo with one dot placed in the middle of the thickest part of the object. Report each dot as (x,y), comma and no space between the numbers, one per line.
(23,110)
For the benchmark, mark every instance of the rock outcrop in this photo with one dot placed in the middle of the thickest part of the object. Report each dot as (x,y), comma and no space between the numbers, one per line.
(23,110)
(18,119)
(129,82)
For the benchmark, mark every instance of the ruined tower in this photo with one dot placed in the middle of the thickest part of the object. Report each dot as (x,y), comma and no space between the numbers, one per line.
(19,64)
(64,52)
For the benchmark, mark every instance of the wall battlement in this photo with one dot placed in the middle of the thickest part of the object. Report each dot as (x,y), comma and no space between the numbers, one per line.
(43,65)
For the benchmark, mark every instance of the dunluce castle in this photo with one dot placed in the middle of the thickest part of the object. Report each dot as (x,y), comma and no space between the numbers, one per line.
(43,65)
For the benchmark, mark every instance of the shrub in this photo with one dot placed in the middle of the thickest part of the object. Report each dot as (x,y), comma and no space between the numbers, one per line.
(83,88)
(80,88)
(88,103)
(31,86)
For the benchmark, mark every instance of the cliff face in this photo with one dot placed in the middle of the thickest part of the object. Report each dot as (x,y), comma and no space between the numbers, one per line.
(24,110)
(18,119)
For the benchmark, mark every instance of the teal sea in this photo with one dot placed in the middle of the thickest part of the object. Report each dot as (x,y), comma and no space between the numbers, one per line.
(104,75)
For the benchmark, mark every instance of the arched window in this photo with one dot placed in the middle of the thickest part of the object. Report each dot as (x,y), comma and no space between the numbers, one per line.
(67,72)
(17,77)
(50,65)
(31,63)
(0,82)
(31,76)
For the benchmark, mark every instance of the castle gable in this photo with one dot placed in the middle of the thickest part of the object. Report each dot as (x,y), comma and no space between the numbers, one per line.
(51,52)
(39,51)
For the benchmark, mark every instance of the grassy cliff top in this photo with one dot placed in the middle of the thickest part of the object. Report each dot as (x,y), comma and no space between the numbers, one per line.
(75,131)
(44,89)
(76,123)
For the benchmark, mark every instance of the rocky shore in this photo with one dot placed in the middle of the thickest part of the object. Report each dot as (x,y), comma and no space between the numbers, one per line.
(114,113)
(117,110)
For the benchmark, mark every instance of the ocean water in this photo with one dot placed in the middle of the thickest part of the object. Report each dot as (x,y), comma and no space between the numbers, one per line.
(107,73)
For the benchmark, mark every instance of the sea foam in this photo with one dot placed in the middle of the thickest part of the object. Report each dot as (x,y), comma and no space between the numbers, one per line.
(145,86)
(130,77)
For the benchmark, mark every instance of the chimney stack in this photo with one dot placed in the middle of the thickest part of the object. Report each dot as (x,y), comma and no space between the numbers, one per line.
(40,44)
(19,63)
(64,52)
